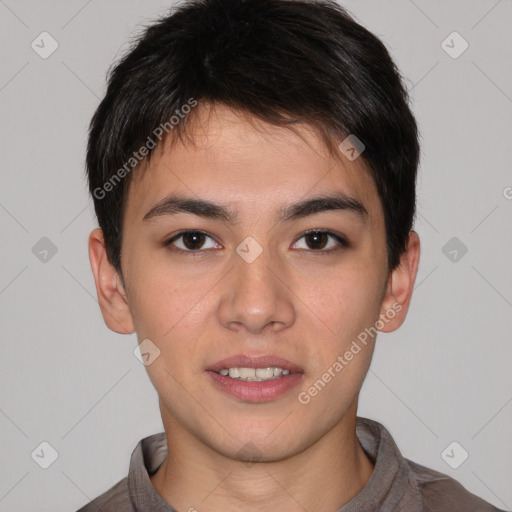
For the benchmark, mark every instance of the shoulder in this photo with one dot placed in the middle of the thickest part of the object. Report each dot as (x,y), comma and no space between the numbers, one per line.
(116,499)
(442,493)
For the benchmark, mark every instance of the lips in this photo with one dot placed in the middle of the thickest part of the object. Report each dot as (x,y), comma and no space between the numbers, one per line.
(255,361)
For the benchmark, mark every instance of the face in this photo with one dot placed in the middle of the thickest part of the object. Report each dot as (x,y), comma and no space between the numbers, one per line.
(282,288)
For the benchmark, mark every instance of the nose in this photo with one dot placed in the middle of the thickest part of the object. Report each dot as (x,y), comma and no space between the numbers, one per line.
(256,296)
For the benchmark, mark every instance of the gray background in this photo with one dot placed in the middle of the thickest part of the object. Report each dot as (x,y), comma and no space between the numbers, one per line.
(67,380)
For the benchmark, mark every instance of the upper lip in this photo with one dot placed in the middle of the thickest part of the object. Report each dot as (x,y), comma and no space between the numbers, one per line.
(255,361)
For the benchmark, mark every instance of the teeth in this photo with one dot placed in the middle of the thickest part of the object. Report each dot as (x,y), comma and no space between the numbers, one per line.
(244,373)
(254,374)
(264,373)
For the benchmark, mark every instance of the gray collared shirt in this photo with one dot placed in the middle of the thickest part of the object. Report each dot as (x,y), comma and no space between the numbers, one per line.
(396,484)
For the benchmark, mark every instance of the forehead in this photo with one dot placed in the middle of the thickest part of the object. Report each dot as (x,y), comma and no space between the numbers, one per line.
(234,158)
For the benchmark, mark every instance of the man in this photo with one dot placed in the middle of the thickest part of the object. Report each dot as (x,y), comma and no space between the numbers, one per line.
(253,166)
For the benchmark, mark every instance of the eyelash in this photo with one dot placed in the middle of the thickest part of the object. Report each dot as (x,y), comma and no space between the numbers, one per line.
(195,253)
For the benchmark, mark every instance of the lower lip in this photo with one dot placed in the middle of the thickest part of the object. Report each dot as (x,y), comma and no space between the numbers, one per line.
(254,391)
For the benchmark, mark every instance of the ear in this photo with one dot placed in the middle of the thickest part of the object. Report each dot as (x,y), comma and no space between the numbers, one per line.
(400,286)
(110,291)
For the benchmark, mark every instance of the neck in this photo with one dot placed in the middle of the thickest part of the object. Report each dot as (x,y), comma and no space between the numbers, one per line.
(324,476)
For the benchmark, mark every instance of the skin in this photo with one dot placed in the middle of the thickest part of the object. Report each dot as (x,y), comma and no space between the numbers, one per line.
(293,300)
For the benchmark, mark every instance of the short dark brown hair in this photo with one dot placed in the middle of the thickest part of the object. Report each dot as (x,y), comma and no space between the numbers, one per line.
(283,61)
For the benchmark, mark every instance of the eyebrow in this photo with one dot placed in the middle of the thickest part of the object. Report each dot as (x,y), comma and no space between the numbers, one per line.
(174,204)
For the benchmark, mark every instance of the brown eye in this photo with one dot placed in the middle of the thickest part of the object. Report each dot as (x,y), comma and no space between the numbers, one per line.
(191,241)
(317,241)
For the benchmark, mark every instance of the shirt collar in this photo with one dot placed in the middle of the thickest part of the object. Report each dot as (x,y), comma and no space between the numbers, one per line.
(390,486)
(147,457)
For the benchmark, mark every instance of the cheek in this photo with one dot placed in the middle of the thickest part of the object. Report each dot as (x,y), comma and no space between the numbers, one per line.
(342,302)
(156,310)
(165,298)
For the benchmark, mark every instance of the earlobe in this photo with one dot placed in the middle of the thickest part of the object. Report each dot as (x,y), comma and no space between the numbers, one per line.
(400,286)
(110,291)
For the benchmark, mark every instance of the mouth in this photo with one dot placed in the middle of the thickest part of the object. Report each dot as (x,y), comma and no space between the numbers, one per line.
(255,378)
